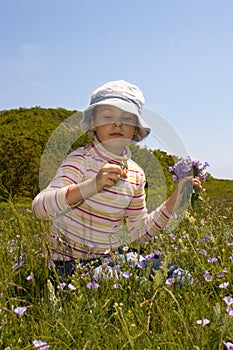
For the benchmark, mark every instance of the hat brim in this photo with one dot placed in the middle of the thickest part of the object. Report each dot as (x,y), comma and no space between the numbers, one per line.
(124,106)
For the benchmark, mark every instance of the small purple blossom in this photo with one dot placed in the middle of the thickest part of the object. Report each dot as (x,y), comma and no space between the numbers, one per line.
(220,274)
(30,277)
(212,260)
(142,264)
(93,285)
(42,345)
(228,345)
(61,285)
(71,286)
(203,251)
(224,285)
(51,264)
(127,274)
(158,252)
(207,276)
(20,310)
(150,256)
(230,312)
(18,265)
(116,286)
(228,300)
(125,249)
(96,277)
(203,322)
(170,281)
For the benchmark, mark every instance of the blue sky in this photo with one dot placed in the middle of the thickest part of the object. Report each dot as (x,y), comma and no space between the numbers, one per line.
(179,52)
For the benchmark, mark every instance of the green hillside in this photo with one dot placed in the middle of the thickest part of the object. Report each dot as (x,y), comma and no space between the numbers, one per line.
(24,134)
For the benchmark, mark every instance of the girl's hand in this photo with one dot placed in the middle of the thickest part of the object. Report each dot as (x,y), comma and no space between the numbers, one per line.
(109,175)
(173,202)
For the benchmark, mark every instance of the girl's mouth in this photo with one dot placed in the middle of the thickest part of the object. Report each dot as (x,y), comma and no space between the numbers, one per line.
(116,134)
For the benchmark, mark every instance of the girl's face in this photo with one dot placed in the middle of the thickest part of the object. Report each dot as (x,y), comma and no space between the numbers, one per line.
(114,127)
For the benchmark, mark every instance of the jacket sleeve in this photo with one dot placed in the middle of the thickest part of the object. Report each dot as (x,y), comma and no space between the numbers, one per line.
(52,201)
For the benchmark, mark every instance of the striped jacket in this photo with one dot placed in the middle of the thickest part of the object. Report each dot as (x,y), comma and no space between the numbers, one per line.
(114,217)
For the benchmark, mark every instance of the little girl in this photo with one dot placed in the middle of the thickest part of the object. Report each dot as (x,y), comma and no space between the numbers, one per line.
(97,197)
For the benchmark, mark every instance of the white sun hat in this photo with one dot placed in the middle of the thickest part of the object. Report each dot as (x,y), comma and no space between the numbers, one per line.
(120,94)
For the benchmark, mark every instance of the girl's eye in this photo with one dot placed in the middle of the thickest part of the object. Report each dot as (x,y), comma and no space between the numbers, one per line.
(128,120)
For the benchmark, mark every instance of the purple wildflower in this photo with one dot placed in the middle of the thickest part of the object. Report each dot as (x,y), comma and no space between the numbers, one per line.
(203,322)
(150,256)
(228,300)
(92,285)
(203,251)
(212,260)
(40,344)
(142,264)
(30,277)
(71,286)
(127,274)
(206,239)
(20,310)
(170,281)
(220,274)
(18,265)
(181,169)
(207,276)
(125,249)
(228,345)
(158,252)
(96,277)
(51,264)
(170,169)
(224,285)
(61,285)
(230,312)
(116,286)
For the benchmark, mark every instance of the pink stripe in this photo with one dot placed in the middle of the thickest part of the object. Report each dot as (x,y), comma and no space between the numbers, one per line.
(98,216)
(72,166)
(156,224)
(82,225)
(167,217)
(57,201)
(64,177)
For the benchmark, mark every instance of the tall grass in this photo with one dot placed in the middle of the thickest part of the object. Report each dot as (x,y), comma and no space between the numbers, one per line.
(130,313)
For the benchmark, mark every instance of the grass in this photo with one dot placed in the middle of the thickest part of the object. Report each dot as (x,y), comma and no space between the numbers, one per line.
(140,314)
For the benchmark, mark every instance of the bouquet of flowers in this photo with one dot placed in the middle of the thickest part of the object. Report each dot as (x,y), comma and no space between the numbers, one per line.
(188,167)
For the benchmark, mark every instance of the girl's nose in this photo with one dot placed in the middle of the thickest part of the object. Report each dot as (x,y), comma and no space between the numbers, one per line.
(119,123)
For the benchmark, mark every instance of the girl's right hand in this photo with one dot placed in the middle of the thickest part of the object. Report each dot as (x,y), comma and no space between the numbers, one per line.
(109,175)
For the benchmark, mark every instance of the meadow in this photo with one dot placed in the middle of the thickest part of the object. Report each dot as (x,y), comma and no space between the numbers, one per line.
(40,311)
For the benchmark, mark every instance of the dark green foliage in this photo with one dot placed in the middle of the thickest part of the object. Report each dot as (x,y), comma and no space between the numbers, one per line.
(23,137)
